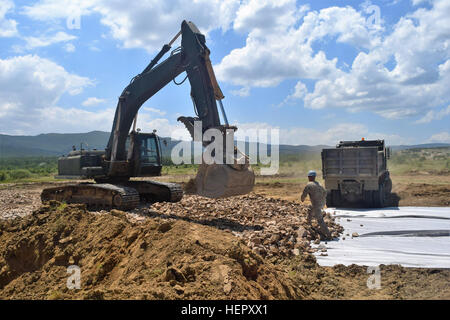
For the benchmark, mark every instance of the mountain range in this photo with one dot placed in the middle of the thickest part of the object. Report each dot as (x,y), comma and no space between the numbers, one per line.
(56,144)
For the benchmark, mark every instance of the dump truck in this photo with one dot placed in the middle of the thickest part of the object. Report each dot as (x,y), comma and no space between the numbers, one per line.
(355,173)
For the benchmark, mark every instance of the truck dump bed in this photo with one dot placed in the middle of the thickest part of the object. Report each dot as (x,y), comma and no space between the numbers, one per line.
(352,162)
(356,172)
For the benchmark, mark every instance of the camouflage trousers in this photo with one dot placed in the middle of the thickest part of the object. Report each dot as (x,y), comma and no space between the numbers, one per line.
(316,212)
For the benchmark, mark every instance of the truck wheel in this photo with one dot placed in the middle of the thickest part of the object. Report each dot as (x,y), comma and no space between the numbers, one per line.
(388,186)
(368,198)
(379,197)
(329,199)
(387,191)
(336,198)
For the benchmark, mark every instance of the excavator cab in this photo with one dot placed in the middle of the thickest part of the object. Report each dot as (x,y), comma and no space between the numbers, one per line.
(145,154)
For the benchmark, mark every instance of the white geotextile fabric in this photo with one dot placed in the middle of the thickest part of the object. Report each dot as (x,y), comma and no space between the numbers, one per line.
(408,236)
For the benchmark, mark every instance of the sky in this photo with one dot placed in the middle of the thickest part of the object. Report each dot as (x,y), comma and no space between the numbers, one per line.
(319,71)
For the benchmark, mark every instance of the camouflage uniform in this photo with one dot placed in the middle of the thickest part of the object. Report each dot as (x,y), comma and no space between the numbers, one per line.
(317,194)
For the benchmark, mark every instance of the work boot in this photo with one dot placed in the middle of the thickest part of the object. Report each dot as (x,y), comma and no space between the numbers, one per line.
(325,233)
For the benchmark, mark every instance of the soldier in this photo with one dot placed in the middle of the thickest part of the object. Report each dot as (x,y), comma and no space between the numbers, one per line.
(317,195)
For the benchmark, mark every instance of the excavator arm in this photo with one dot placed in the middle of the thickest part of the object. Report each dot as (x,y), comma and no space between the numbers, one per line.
(192,58)
(133,97)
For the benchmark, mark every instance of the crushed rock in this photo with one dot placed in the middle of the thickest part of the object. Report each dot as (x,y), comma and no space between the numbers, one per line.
(271,227)
(18,202)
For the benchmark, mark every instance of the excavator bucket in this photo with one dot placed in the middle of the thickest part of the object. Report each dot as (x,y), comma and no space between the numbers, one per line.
(222,180)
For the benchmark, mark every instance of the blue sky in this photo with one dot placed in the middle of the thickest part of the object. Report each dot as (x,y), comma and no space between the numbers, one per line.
(319,71)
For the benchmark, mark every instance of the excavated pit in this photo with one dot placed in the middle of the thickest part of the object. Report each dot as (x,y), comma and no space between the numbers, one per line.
(119,258)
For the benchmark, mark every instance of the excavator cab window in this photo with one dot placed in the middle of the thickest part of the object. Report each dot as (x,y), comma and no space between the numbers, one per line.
(149,151)
(147,155)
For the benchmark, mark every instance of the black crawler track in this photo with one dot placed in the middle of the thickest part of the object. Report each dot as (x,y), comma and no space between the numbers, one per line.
(125,196)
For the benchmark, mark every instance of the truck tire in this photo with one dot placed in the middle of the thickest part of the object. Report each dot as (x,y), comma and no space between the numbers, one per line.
(388,185)
(379,197)
(329,200)
(368,198)
(387,191)
(336,198)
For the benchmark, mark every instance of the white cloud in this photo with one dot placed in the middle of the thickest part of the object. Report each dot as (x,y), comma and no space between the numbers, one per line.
(92,101)
(77,120)
(285,51)
(44,41)
(163,126)
(433,115)
(69,47)
(154,110)
(330,136)
(8,27)
(443,137)
(267,63)
(94,48)
(141,24)
(417,2)
(44,10)
(242,92)
(300,91)
(419,48)
(70,120)
(30,88)
(398,74)
(266,15)
(347,24)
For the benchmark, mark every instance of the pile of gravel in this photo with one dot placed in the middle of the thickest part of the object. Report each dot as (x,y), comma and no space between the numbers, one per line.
(271,227)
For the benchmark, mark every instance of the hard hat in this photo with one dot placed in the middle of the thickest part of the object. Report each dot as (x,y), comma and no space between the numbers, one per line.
(312,173)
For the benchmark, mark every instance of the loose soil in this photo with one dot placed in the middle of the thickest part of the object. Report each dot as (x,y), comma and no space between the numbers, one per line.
(249,247)
(154,259)
(159,259)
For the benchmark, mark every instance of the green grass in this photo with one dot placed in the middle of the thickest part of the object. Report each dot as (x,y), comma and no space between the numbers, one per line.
(183,169)
(432,161)
(27,169)
(293,167)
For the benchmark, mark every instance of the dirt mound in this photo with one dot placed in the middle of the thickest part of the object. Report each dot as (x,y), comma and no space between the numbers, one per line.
(422,194)
(271,227)
(120,259)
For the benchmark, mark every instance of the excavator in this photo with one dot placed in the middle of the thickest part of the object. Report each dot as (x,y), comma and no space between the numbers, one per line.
(132,153)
